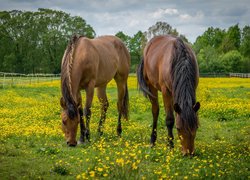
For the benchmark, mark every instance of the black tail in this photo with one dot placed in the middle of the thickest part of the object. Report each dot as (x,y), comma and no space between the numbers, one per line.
(125,109)
(142,82)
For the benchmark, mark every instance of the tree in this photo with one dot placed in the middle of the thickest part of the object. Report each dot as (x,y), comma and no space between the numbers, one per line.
(232,61)
(34,42)
(125,38)
(136,46)
(245,44)
(232,39)
(212,37)
(162,28)
(208,60)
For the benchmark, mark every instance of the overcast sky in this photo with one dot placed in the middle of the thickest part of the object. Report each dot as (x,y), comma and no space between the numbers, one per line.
(190,17)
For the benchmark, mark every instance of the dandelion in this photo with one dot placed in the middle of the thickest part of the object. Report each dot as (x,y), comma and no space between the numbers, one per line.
(92,173)
(120,162)
(134,166)
(100,169)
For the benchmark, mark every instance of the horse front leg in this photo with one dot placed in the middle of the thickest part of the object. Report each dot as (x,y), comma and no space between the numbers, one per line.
(168,104)
(101,93)
(82,127)
(87,109)
(82,124)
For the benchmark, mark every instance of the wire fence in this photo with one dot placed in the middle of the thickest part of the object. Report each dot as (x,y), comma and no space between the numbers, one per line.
(16,79)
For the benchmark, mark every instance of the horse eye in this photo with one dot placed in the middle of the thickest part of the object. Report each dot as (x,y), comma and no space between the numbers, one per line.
(178,129)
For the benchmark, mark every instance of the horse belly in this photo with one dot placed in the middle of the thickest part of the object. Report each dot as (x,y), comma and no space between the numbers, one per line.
(105,73)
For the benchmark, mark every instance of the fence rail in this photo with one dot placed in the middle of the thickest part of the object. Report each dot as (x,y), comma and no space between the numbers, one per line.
(241,75)
(13,79)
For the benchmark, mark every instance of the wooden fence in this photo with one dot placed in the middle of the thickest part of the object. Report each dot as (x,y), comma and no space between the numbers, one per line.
(13,79)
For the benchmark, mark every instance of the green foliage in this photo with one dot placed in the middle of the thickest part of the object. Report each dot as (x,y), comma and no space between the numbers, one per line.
(223,51)
(136,43)
(245,44)
(135,46)
(34,42)
(232,61)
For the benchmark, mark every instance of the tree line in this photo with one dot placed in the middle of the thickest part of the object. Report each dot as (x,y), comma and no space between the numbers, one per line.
(34,42)
(223,51)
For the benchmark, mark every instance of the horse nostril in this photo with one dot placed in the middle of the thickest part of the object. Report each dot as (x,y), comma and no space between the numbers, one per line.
(71,145)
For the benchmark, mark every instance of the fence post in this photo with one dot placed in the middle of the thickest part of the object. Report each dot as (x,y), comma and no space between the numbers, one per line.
(3,79)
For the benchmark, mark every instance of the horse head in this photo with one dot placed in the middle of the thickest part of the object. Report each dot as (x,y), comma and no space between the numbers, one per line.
(70,121)
(187,125)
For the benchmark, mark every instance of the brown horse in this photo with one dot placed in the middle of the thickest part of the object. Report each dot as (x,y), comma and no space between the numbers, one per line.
(170,66)
(86,64)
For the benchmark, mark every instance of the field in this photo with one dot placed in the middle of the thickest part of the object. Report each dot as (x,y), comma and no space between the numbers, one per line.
(32,145)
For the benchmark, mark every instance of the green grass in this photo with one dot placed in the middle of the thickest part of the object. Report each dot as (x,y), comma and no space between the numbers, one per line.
(32,144)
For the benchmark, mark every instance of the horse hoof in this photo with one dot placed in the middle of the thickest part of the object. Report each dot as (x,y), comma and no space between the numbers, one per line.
(171,144)
(152,145)
(80,142)
(100,133)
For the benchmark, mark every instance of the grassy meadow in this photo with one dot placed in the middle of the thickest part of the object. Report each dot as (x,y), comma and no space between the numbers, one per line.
(32,145)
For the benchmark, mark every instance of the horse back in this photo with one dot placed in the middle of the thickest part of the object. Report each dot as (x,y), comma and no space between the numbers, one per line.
(100,59)
(158,56)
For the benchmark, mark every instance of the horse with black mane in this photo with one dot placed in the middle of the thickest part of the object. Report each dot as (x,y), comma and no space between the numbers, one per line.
(86,64)
(169,65)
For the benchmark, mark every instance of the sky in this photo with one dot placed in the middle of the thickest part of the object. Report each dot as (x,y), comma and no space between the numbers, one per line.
(189,17)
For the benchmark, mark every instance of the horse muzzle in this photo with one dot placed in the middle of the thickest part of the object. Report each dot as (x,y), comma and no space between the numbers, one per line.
(70,144)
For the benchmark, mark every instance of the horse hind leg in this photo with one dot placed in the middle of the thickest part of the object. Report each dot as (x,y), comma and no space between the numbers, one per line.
(155,113)
(122,104)
(101,93)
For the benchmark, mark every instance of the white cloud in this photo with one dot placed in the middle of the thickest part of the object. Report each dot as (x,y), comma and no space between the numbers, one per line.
(187,18)
(161,12)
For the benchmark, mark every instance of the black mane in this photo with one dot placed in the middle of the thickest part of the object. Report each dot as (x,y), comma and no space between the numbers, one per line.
(184,72)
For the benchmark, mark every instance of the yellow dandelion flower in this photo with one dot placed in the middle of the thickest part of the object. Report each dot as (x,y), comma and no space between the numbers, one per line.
(92,173)
(134,166)
(100,169)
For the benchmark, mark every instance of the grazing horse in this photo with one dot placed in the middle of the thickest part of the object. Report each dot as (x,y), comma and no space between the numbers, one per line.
(86,64)
(169,65)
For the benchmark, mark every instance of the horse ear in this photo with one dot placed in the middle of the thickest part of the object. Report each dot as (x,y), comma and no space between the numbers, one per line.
(177,108)
(62,102)
(196,107)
